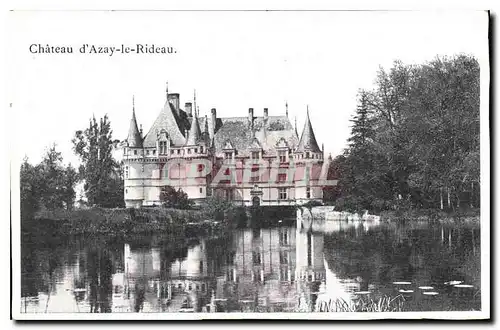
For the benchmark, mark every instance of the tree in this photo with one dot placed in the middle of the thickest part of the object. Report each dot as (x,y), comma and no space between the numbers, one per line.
(415,138)
(174,198)
(70,180)
(99,170)
(29,183)
(51,179)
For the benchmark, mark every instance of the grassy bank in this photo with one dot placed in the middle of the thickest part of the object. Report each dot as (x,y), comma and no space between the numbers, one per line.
(387,303)
(467,216)
(117,221)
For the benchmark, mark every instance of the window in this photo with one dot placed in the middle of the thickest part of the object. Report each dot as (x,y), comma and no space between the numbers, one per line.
(253,177)
(282,193)
(189,151)
(308,192)
(154,152)
(135,152)
(230,258)
(282,156)
(195,150)
(171,152)
(163,147)
(147,152)
(283,237)
(307,154)
(201,190)
(284,274)
(256,257)
(228,155)
(200,167)
(281,177)
(126,172)
(229,194)
(284,257)
(201,150)
(201,266)
(255,155)
(230,275)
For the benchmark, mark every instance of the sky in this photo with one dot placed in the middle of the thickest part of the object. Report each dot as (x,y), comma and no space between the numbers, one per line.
(234,60)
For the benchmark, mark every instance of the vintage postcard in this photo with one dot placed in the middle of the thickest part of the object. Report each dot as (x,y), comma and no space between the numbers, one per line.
(249,164)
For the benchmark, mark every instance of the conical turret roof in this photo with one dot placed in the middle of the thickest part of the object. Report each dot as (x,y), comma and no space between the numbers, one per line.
(134,138)
(194,135)
(308,140)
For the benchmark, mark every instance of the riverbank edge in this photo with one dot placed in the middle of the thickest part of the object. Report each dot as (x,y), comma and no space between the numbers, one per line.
(120,221)
(469,216)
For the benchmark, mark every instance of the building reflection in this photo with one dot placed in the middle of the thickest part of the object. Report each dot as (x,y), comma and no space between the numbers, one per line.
(281,269)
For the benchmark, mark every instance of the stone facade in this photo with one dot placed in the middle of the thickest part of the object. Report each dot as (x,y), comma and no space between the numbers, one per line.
(250,160)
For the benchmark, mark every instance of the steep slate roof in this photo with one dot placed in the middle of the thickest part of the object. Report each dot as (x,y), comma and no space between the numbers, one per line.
(174,124)
(308,140)
(134,138)
(238,131)
(194,135)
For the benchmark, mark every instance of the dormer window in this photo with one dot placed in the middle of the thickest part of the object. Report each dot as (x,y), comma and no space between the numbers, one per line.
(307,154)
(163,147)
(282,154)
(135,152)
(201,149)
(228,155)
(255,155)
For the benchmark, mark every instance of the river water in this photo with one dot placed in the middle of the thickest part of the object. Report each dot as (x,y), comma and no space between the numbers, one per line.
(278,269)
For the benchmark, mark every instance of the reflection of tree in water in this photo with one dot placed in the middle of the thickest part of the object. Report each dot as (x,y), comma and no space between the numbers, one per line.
(41,265)
(373,256)
(383,255)
(99,272)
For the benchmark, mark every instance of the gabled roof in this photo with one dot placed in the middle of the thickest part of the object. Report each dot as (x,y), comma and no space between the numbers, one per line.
(134,138)
(308,140)
(173,123)
(281,143)
(255,144)
(228,145)
(194,135)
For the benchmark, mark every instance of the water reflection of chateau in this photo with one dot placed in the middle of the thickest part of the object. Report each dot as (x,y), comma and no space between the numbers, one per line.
(276,269)
(260,269)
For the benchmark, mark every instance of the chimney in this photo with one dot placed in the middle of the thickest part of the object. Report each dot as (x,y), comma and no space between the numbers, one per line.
(214,121)
(189,109)
(265,113)
(173,99)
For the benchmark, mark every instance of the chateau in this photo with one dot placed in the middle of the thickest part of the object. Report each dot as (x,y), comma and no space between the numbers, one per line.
(250,160)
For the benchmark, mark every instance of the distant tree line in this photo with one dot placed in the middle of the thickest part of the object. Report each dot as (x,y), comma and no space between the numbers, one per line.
(414,141)
(51,185)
